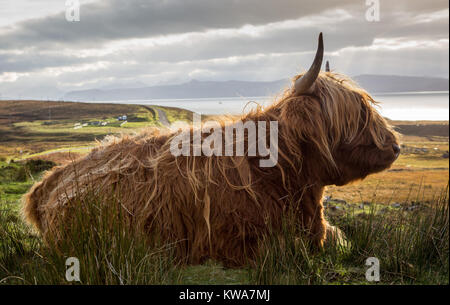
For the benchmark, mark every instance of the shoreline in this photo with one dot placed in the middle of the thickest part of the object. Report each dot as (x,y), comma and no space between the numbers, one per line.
(208,110)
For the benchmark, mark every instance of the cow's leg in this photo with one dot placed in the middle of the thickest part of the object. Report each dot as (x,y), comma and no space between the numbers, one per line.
(312,216)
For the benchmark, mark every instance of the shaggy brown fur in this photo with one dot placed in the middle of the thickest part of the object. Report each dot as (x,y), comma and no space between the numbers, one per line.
(218,207)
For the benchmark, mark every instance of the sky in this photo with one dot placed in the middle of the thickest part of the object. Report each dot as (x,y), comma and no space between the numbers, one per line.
(130,43)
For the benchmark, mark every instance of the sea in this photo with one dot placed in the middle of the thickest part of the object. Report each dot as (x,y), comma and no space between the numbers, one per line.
(408,106)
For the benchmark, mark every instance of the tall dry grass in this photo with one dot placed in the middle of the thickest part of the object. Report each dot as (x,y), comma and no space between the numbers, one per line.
(412,246)
(109,250)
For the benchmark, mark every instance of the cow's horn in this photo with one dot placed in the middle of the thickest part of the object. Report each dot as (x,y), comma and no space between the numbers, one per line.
(305,83)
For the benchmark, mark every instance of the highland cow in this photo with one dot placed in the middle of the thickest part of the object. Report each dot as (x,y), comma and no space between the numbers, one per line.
(219,206)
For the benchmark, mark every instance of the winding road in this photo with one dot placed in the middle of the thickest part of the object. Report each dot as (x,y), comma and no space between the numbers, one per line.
(161,115)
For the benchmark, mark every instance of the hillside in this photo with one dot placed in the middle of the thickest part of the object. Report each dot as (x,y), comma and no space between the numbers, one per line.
(211,89)
(396,83)
(18,111)
(192,89)
(27,127)
(422,128)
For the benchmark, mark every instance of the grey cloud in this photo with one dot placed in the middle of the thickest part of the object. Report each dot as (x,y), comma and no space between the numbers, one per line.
(31,61)
(119,19)
(45,42)
(262,68)
(338,35)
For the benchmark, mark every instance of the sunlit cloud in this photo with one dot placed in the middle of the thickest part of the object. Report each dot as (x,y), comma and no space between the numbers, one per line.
(43,54)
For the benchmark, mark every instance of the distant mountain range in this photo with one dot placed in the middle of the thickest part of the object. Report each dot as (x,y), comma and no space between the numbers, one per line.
(215,89)
(396,83)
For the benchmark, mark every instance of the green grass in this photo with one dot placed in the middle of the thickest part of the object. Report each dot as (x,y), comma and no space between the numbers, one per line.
(176,114)
(33,132)
(108,251)
(412,246)
(412,249)
(422,161)
(144,118)
(213,273)
(17,178)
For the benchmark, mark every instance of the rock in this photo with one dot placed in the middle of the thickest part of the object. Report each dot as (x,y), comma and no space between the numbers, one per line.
(382,211)
(363,215)
(445,155)
(412,208)
(336,208)
(396,205)
(341,201)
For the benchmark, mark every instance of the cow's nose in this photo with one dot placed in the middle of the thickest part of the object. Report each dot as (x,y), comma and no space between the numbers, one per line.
(396,149)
